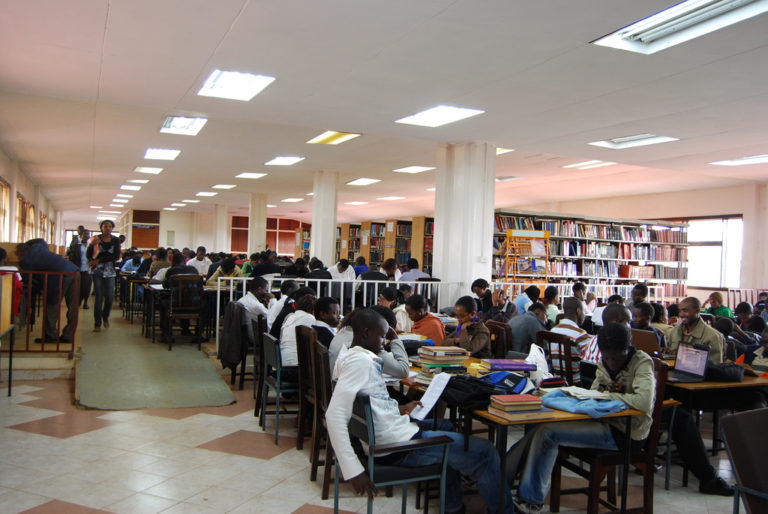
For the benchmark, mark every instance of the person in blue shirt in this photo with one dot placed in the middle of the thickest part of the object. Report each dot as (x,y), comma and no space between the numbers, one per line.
(360,266)
(132,265)
(526,298)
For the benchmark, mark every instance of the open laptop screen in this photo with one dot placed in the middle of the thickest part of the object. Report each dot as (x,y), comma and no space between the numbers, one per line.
(691,360)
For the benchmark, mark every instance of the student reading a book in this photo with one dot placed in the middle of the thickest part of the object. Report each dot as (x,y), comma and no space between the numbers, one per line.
(424,323)
(626,375)
(471,333)
(550,301)
(359,370)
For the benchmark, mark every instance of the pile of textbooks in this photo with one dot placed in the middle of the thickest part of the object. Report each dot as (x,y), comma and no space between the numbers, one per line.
(518,407)
(440,359)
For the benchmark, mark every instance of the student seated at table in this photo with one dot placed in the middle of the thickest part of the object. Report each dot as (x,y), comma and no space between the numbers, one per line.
(716,306)
(550,301)
(471,333)
(387,298)
(327,317)
(597,314)
(404,323)
(659,321)
(358,369)
(302,317)
(694,330)
(524,300)
(178,268)
(493,306)
(228,268)
(424,322)
(642,313)
(525,327)
(255,300)
(570,325)
(286,288)
(289,307)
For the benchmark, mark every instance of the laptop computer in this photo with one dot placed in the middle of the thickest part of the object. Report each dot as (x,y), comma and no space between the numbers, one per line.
(690,364)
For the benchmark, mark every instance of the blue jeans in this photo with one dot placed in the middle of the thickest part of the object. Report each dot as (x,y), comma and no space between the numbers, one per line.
(104,290)
(544,447)
(481,462)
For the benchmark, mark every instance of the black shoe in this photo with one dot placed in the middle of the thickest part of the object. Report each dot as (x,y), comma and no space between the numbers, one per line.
(86,306)
(65,339)
(47,340)
(716,486)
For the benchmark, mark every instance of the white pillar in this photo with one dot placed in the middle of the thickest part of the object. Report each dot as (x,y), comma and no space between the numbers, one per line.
(60,229)
(257,223)
(464,204)
(220,228)
(322,239)
(13,233)
(754,266)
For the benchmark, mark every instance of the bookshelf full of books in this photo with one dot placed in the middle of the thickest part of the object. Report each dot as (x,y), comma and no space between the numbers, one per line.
(422,237)
(397,241)
(372,242)
(349,241)
(605,251)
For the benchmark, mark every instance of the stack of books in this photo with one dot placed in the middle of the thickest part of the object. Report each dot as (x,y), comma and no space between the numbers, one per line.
(428,371)
(506,365)
(518,407)
(440,359)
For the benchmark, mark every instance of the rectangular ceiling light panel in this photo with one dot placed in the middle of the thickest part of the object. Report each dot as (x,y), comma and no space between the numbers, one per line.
(743,161)
(414,169)
(439,116)
(148,170)
(161,154)
(182,125)
(332,137)
(288,160)
(680,23)
(251,175)
(620,143)
(363,181)
(234,85)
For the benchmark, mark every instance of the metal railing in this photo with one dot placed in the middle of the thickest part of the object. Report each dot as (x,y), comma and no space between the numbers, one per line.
(601,291)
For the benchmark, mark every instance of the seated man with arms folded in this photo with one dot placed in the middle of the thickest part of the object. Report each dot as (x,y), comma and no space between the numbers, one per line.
(358,369)
(471,333)
(424,323)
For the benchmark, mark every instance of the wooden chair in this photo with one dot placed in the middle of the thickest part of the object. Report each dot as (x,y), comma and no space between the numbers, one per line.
(602,463)
(259,329)
(186,303)
(306,338)
(323,388)
(646,341)
(743,432)
(361,427)
(499,343)
(272,370)
(559,348)
(235,340)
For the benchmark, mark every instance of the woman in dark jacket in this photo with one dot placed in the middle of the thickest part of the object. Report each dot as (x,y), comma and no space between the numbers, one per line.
(103,252)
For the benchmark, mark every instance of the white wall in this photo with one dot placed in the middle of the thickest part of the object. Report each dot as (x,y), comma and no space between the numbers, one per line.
(182,225)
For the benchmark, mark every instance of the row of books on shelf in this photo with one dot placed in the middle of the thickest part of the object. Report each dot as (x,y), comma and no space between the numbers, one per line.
(429,228)
(606,269)
(377,230)
(669,236)
(354,232)
(672,290)
(403,245)
(353,245)
(668,253)
(377,243)
(403,230)
(571,228)
(402,258)
(670,273)
(427,259)
(376,257)
(428,244)
(629,271)
(567,248)
(504,223)
(657,271)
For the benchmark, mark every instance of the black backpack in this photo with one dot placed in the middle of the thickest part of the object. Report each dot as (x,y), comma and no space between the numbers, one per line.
(469,393)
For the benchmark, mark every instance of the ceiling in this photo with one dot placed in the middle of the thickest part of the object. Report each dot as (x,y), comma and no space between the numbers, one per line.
(85,86)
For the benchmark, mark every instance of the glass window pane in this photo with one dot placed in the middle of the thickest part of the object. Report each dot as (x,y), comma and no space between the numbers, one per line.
(704,266)
(705,230)
(734,236)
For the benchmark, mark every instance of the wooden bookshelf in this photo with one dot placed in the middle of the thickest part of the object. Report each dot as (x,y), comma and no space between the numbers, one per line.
(422,234)
(349,242)
(302,243)
(606,251)
(372,235)
(397,241)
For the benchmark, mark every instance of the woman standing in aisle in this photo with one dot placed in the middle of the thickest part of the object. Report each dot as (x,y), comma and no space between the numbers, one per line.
(103,251)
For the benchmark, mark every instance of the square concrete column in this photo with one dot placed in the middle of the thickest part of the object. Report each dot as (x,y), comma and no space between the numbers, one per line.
(754,266)
(322,239)
(220,228)
(464,205)
(257,223)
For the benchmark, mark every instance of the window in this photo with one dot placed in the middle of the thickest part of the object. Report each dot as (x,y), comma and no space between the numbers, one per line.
(25,219)
(5,211)
(714,254)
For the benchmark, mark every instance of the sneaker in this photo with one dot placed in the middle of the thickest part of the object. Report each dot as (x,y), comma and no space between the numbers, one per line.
(97,329)
(716,486)
(106,323)
(528,508)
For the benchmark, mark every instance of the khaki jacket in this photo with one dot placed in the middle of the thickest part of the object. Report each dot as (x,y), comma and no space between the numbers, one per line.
(702,334)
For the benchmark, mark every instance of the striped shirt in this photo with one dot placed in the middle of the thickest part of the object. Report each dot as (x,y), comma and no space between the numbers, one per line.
(579,336)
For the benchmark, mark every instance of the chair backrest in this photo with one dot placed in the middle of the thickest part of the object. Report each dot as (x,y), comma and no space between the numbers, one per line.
(271,349)
(186,293)
(743,432)
(498,338)
(259,329)
(361,421)
(306,338)
(559,348)
(646,341)
(324,385)
(661,371)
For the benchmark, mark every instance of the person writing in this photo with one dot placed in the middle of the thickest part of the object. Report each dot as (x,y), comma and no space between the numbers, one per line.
(471,333)
(424,323)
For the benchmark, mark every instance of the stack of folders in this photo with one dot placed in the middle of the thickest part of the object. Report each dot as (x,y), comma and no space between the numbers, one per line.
(440,359)
(518,407)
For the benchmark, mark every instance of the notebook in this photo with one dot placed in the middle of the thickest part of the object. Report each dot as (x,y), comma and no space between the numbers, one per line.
(690,365)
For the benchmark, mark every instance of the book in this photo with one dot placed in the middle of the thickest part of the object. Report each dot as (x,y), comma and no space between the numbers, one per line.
(515,398)
(540,413)
(508,365)
(452,359)
(516,408)
(443,350)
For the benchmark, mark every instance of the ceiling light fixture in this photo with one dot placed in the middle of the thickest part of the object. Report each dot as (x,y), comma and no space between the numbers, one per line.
(508,179)
(129,187)
(502,151)
(150,171)
(138,181)
(250,175)
(182,125)
(363,181)
(234,85)
(270,206)
(121,195)
(119,200)
(391,198)
(169,208)
(161,154)
(432,189)
(355,203)
(311,193)
(178,205)
(191,201)
(439,116)
(117,205)
(588,165)
(680,23)
(620,143)
(111,212)
(332,137)
(224,186)
(206,193)
(95,206)
(743,161)
(287,160)
(292,200)
(414,169)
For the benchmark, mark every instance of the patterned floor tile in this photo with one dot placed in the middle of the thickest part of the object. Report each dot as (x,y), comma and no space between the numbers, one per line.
(250,444)
(65,425)
(61,507)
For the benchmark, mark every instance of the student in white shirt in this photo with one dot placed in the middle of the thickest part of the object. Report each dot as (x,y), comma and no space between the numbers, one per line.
(327,316)
(286,288)
(303,317)
(342,271)
(253,301)
(404,322)
(359,370)
(201,263)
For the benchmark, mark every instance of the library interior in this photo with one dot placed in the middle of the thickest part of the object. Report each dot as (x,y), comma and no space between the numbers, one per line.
(545,204)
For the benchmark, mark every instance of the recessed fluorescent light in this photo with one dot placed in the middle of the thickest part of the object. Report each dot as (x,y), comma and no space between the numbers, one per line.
(311,194)
(502,151)
(234,85)
(121,195)
(292,200)
(206,193)
(414,169)
(440,115)
(191,201)
(182,125)
(743,161)
(119,200)
(99,218)
(223,186)
(391,198)
(151,171)
(95,206)
(129,187)
(355,203)
(508,179)
(363,181)
(269,206)
(161,154)
(178,205)
(680,23)
(250,175)
(331,137)
(138,181)
(431,189)
(110,212)
(619,143)
(284,160)
(117,205)
(169,208)
(588,165)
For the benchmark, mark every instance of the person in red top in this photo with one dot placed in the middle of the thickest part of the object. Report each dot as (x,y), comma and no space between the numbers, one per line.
(424,323)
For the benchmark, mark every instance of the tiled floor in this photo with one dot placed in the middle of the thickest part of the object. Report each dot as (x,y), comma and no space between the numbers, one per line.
(55,457)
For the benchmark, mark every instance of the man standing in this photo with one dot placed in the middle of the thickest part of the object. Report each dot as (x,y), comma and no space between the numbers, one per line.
(77,256)
(694,330)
